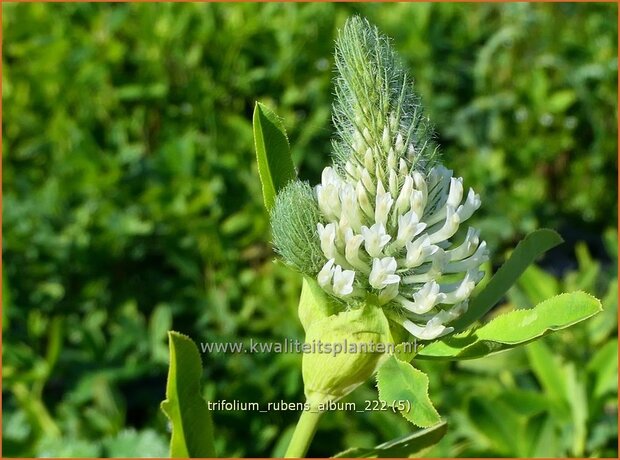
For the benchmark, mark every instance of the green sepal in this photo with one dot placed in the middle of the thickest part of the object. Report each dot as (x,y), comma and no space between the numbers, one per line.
(331,376)
(314,303)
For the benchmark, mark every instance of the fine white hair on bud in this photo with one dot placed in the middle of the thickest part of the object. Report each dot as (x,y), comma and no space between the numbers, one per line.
(388,216)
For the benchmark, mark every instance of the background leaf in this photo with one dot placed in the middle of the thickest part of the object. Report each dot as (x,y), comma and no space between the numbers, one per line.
(526,252)
(131,443)
(604,366)
(499,426)
(515,328)
(401,447)
(192,428)
(399,381)
(275,165)
(548,371)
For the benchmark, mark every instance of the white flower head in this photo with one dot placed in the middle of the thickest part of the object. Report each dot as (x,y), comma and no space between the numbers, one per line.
(388,216)
(405,249)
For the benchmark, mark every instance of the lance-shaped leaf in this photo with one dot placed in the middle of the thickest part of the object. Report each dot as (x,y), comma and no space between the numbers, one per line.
(402,447)
(526,252)
(400,382)
(515,328)
(192,428)
(275,166)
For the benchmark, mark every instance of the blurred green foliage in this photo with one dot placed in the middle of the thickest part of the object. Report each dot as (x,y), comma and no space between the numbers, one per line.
(132,206)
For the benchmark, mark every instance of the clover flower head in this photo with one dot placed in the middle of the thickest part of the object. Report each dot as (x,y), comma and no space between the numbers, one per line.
(384,220)
(399,243)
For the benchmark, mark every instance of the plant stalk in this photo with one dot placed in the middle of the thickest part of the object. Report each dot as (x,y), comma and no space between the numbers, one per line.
(303,435)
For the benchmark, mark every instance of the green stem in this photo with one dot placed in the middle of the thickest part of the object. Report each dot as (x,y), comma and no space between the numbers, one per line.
(304,432)
(37,411)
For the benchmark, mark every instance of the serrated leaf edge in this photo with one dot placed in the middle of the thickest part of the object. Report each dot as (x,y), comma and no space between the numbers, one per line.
(426,391)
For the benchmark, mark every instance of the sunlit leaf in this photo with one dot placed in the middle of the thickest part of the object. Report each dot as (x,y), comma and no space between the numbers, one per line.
(275,165)
(399,382)
(526,252)
(515,328)
(192,428)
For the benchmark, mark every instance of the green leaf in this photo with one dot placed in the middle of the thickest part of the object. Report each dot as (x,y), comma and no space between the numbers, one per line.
(130,443)
(314,303)
(561,100)
(192,428)
(159,324)
(552,377)
(402,447)
(275,166)
(604,367)
(399,381)
(548,371)
(525,402)
(538,285)
(605,324)
(526,252)
(66,447)
(578,402)
(515,328)
(543,436)
(54,344)
(497,424)
(610,239)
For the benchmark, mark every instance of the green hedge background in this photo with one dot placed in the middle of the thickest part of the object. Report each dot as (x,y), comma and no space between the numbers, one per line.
(132,206)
